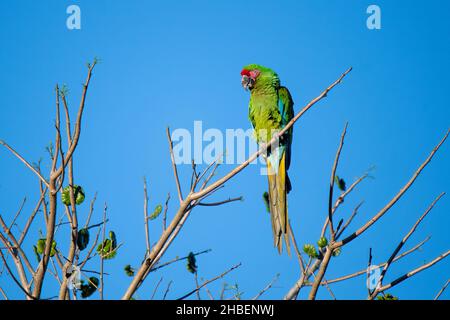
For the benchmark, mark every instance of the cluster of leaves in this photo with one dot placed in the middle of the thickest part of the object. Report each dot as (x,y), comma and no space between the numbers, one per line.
(322,242)
(107,249)
(39,248)
(88,289)
(78,193)
(337,252)
(312,251)
(191,265)
(387,296)
(83,238)
(129,270)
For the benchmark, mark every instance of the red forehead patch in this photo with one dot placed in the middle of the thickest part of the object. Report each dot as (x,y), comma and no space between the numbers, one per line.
(245,72)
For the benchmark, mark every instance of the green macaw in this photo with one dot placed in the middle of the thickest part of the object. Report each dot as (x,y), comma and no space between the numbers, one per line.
(271,107)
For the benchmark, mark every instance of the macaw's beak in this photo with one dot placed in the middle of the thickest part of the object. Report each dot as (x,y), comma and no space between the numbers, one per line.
(247,82)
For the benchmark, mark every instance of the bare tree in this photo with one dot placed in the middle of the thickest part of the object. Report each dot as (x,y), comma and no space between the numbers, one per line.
(314,262)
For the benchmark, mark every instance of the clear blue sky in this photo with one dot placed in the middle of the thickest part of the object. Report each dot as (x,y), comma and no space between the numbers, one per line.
(174,62)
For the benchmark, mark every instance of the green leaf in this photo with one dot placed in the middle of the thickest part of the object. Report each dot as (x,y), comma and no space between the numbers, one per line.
(310,250)
(88,289)
(337,252)
(53,249)
(156,212)
(387,296)
(83,239)
(38,256)
(266,201)
(191,263)
(78,193)
(340,183)
(112,236)
(107,249)
(129,270)
(40,247)
(322,243)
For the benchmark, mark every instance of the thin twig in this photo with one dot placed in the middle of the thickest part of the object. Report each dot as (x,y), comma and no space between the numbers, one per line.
(364,271)
(2,142)
(166,207)
(3,293)
(332,182)
(354,213)
(177,259)
(209,281)
(156,288)
(402,243)
(213,204)
(147,236)
(297,251)
(17,213)
(167,290)
(413,272)
(31,217)
(394,200)
(270,285)
(101,290)
(91,210)
(442,290)
(174,166)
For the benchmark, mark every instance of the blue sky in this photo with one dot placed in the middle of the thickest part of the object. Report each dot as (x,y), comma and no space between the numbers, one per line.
(171,63)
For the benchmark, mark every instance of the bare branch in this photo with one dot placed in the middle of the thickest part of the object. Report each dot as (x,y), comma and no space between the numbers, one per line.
(147,236)
(332,179)
(297,251)
(413,272)
(166,207)
(270,285)
(77,131)
(2,142)
(209,281)
(405,238)
(31,217)
(442,290)
(102,285)
(156,288)
(14,278)
(3,293)
(213,204)
(364,271)
(174,166)
(91,210)
(177,259)
(17,213)
(354,213)
(394,200)
(167,290)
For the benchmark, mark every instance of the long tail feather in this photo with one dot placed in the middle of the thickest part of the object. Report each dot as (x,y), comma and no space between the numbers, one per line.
(278,183)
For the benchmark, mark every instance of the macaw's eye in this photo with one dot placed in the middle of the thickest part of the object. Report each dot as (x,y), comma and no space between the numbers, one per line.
(247,82)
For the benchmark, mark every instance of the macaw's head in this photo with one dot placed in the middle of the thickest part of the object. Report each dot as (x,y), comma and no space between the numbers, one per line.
(254,76)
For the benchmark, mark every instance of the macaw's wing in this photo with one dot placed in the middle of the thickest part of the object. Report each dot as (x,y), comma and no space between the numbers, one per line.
(286,108)
(250,114)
